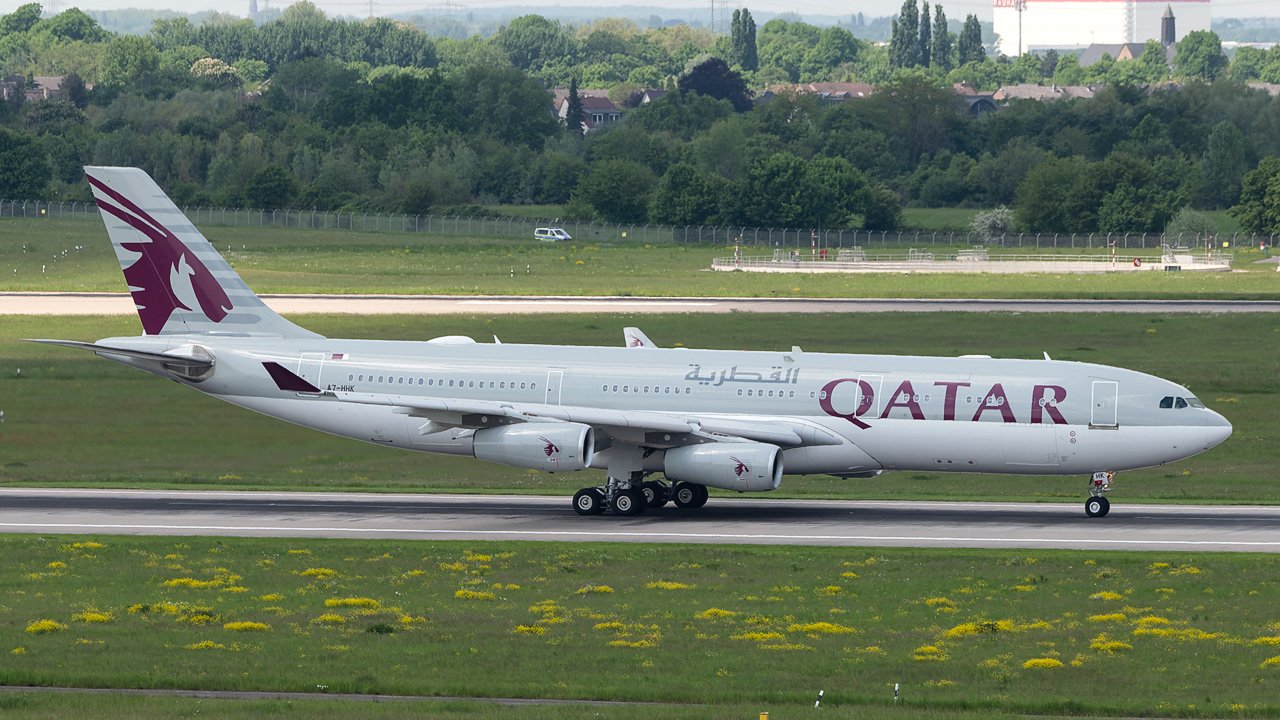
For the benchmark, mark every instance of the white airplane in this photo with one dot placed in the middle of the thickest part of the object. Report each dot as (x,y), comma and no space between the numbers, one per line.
(734,420)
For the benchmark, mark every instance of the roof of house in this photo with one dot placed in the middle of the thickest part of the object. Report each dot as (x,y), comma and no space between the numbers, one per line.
(1272,89)
(598,103)
(831,90)
(1032,91)
(559,92)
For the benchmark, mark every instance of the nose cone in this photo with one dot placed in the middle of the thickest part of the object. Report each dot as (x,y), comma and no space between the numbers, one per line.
(1217,429)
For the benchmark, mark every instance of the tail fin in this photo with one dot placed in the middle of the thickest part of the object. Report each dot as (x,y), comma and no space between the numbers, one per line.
(180,284)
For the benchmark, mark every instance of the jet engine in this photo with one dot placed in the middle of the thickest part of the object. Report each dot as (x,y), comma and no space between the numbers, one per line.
(550,447)
(745,467)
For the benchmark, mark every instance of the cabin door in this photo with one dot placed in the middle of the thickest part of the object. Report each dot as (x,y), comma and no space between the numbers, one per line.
(1105,396)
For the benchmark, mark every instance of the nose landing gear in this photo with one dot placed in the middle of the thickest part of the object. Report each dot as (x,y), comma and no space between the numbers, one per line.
(1097,505)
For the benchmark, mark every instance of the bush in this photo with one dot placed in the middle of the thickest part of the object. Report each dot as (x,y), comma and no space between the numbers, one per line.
(992,223)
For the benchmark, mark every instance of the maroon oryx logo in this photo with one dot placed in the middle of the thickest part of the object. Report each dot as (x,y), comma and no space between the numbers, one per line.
(551,448)
(741,468)
(167,276)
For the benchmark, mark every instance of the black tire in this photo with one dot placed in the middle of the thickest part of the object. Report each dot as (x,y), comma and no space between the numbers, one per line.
(655,493)
(1097,506)
(689,495)
(629,502)
(703,495)
(588,501)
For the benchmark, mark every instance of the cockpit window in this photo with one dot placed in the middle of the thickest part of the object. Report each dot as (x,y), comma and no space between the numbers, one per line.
(1194,403)
(1166,402)
(1180,403)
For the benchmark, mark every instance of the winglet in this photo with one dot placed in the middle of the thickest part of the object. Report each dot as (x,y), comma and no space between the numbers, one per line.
(635,338)
(286,380)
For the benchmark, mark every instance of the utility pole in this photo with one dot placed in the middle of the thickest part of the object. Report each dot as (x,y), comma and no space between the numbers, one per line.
(1020,5)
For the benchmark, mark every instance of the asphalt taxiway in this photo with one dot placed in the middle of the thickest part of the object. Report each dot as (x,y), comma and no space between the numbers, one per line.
(725,520)
(28,303)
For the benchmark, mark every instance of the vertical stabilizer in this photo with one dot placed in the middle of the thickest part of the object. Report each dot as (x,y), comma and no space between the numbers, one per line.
(179,283)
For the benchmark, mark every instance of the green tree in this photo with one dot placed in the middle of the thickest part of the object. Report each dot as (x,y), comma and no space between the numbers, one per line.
(970,45)
(838,190)
(776,192)
(926,35)
(1188,224)
(883,210)
(1259,208)
(713,78)
(560,175)
(684,197)
(940,53)
(836,46)
(904,45)
(1151,65)
(74,25)
(742,37)
(21,20)
(129,60)
(619,190)
(1040,205)
(532,41)
(76,92)
(1200,56)
(1224,164)
(573,118)
(24,171)
(271,188)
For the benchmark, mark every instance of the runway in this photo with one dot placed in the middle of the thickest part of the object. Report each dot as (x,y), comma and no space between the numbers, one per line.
(69,303)
(724,520)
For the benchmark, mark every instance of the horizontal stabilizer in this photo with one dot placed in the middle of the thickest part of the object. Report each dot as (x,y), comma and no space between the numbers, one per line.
(173,361)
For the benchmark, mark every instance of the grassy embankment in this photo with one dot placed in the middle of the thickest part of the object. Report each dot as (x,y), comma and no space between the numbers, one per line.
(72,419)
(289,260)
(1050,632)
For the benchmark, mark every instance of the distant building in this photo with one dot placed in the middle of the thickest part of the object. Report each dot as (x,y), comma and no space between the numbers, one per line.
(978,102)
(43,87)
(832,93)
(1122,52)
(1063,24)
(596,111)
(1044,93)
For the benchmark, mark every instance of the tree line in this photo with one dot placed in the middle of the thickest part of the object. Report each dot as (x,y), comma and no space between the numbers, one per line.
(309,112)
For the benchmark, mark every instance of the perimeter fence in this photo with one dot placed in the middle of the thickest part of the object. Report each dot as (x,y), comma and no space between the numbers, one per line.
(797,239)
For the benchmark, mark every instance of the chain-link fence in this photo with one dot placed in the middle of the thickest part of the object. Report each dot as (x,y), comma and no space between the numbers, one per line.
(593,232)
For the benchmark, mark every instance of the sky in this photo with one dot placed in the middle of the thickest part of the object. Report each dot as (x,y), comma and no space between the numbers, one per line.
(674,8)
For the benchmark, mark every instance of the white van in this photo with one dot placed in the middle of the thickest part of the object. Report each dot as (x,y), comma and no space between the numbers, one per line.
(551,234)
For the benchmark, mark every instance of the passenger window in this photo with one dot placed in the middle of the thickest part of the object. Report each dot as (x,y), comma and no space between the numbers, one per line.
(1166,402)
(1179,403)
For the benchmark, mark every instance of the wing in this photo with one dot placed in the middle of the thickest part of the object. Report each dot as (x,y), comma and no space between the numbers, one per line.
(654,429)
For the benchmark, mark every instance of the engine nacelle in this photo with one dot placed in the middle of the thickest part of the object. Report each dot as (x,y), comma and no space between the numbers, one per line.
(745,467)
(550,447)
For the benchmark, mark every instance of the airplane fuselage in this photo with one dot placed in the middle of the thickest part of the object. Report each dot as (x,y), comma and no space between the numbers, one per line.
(878,412)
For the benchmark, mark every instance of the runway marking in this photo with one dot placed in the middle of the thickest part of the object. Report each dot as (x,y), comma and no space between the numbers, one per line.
(612,533)
(593,303)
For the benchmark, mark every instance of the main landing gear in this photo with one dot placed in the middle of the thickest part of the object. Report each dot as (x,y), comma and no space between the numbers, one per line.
(633,498)
(1097,505)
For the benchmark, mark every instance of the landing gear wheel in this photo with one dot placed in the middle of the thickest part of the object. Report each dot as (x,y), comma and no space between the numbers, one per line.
(629,502)
(655,493)
(588,501)
(689,495)
(1097,507)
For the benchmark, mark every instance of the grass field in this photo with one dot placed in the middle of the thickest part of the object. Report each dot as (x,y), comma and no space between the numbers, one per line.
(289,260)
(1147,634)
(130,429)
